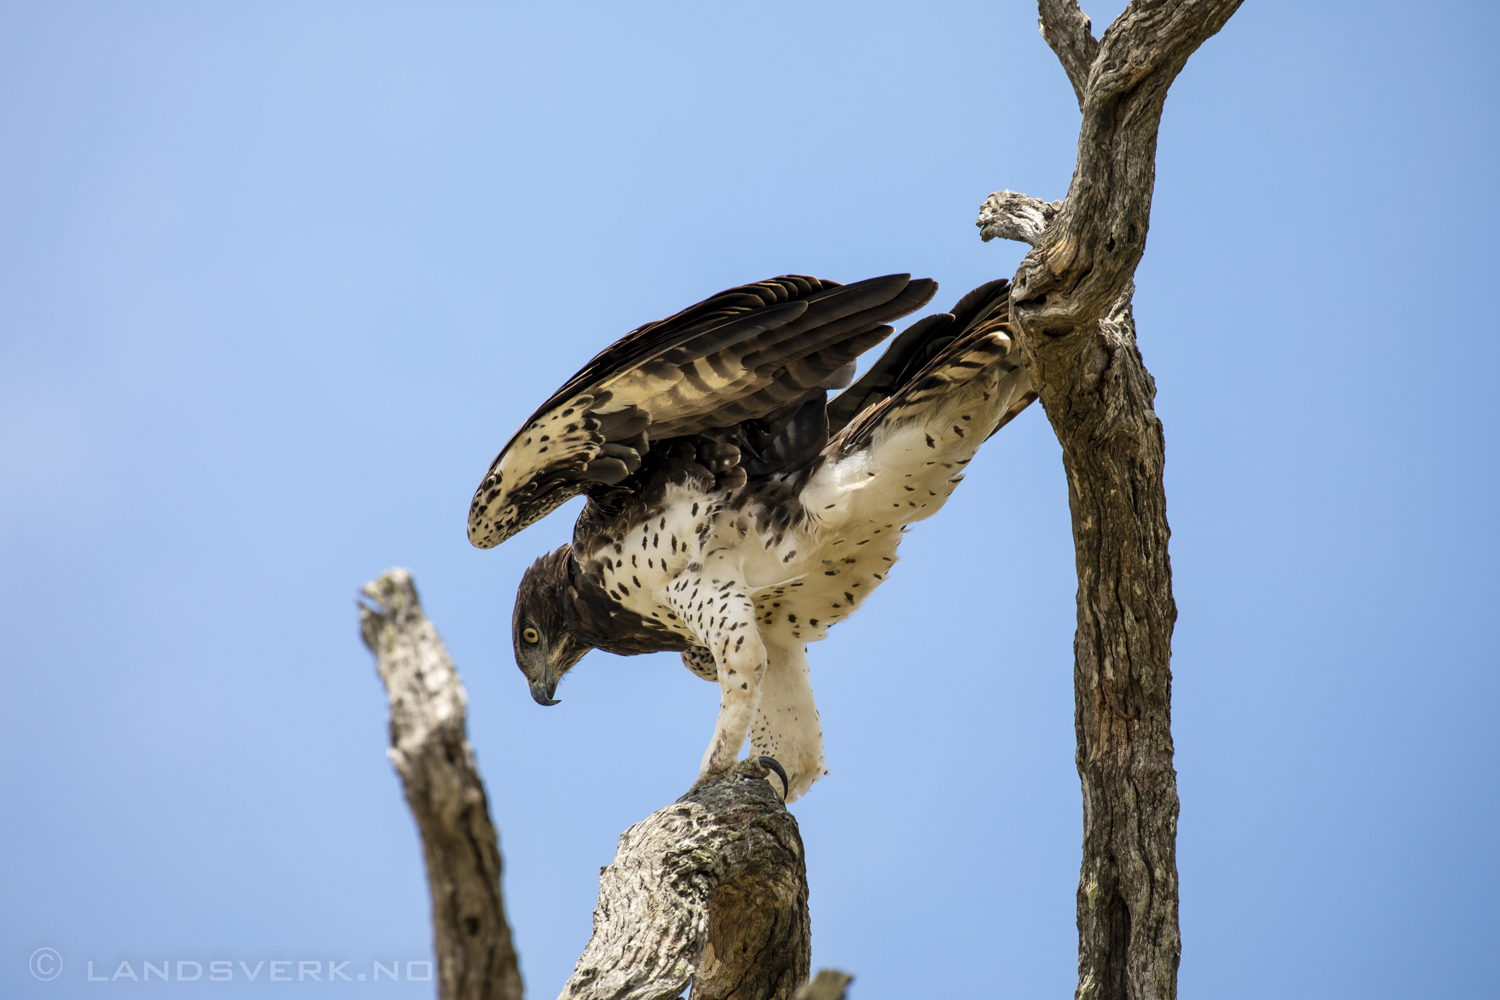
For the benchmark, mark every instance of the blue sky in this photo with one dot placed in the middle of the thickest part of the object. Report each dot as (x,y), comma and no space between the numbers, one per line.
(277,280)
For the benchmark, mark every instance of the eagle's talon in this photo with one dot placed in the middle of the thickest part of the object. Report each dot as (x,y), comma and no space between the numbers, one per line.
(770,763)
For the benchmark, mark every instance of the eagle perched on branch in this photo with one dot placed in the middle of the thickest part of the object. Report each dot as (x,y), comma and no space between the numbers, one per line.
(735,513)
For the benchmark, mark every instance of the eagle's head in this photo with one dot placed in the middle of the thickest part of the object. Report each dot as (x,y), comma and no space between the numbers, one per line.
(545,648)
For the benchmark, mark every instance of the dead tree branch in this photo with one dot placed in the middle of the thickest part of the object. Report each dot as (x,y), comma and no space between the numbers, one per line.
(711,890)
(1070,305)
(430,748)
(1069,32)
(1091,250)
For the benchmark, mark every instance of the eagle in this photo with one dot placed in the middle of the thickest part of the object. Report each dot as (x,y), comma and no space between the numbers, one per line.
(735,512)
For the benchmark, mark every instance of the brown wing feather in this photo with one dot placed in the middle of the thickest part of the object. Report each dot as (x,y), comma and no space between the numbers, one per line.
(743,354)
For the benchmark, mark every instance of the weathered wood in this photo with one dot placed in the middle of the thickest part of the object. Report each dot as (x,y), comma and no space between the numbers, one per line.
(711,890)
(1010,215)
(1090,251)
(1070,306)
(1068,31)
(429,746)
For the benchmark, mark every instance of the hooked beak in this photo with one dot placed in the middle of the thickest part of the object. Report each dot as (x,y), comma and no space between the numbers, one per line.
(541,692)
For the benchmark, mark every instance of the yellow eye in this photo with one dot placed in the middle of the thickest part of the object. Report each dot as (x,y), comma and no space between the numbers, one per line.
(530,635)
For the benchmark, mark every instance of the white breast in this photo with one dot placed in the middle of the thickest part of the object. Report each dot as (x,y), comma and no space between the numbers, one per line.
(858,507)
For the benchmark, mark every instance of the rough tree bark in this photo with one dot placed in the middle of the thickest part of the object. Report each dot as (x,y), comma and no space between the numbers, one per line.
(1070,304)
(711,890)
(430,748)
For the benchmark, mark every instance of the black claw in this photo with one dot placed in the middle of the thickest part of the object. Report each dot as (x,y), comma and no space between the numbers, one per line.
(770,762)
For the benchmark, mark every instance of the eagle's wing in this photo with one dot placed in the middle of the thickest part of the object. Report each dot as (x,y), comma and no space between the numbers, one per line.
(921,363)
(746,353)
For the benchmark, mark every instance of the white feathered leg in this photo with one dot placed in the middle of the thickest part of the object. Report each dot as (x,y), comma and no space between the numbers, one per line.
(709,601)
(786,725)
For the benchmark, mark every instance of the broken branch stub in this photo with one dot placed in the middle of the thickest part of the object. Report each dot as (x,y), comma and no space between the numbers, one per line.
(430,749)
(1010,215)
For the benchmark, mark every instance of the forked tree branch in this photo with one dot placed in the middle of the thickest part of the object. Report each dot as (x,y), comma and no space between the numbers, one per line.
(430,748)
(1070,306)
(1092,248)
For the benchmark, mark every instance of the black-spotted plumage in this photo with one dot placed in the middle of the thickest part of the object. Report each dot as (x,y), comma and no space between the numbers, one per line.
(734,513)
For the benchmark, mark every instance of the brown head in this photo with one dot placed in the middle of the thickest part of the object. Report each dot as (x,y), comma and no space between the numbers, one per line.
(545,648)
